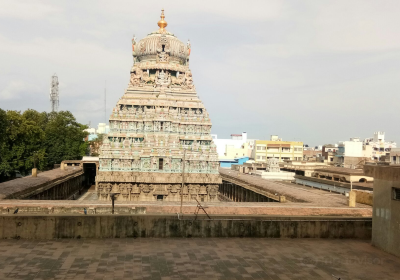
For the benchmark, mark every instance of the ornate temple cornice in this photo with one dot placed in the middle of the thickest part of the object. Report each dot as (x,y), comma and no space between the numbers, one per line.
(158,177)
(161,66)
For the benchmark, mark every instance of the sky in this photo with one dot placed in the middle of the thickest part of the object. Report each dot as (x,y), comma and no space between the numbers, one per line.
(313,71)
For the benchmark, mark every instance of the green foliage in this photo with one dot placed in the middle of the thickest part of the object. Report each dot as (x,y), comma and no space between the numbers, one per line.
(40,139)
(64,138)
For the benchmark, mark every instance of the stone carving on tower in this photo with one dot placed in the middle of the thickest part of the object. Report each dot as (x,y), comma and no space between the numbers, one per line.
(157,122)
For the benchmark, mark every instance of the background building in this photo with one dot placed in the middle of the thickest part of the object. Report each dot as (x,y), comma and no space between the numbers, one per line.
(377,146)
(355,153)
(237,146)
(276,148)
(102,128)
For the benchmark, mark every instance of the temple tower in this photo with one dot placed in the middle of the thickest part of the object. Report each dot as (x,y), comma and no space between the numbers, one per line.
(156,124)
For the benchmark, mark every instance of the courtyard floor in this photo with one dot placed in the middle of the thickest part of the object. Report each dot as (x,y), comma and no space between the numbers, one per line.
(195,259)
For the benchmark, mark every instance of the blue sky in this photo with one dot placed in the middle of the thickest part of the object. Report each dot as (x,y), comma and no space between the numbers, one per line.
(314,71)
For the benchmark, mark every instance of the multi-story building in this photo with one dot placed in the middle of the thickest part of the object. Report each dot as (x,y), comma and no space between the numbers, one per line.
(236,147)
(378,147)
(355,152)
(276,148)
(349,153)
(329,152)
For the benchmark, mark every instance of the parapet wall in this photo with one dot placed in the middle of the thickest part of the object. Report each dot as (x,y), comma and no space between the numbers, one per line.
(125,226)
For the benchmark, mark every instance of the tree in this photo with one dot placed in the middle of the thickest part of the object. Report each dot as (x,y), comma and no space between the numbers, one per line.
(41,119)
(64,138)
(40,139)
(22,138)
(4,165)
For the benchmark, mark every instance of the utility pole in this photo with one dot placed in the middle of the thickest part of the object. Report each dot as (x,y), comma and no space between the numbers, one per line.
(183,177)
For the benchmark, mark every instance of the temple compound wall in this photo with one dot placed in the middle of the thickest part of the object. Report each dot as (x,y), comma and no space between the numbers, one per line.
(160,130)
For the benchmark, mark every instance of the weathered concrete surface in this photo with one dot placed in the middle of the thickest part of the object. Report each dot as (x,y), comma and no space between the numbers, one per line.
(361,186)
(196,258)
(120,226)
(386,218)
(364,197)
(28,186)
(217,208)
(294,194)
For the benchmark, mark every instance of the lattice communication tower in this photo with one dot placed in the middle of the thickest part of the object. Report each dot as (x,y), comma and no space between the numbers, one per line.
(54,95)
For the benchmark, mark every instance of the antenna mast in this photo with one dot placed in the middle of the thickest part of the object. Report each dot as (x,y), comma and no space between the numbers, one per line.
(54,94)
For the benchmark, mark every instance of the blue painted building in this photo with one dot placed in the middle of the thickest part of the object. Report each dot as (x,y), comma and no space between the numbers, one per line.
(229,162)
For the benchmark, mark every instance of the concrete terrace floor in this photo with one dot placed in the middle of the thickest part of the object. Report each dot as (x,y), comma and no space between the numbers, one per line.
(209,259)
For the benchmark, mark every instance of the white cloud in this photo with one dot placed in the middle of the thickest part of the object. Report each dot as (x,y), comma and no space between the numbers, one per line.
(26,9)
(13,90)
(272,61)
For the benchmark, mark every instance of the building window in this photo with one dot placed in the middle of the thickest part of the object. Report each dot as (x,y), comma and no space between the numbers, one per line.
(396,194)
(263,148)
(263,157)
(160,163)
(258,148)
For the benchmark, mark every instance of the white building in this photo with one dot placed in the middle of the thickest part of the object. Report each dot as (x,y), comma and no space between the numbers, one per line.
(378,146)
(237,146)
(355,152)
(102,128)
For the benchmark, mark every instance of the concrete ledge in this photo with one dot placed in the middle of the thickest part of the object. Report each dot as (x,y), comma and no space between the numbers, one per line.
(364,197)
(389,173)
(122,226)
(333,183)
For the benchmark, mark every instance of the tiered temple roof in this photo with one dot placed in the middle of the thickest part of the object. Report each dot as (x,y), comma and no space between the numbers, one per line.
(158,126)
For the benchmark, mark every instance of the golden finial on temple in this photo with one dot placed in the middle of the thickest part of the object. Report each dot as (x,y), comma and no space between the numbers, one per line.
(162,23)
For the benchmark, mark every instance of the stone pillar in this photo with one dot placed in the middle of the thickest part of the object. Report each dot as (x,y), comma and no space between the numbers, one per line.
(282,199)
(352,199)
(236,193)
(34,172)
(62,167)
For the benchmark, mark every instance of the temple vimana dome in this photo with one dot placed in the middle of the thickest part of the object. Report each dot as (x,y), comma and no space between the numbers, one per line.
(158,127)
